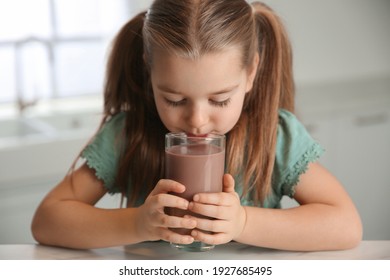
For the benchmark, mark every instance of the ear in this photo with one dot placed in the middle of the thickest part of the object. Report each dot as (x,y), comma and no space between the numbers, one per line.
(252,70)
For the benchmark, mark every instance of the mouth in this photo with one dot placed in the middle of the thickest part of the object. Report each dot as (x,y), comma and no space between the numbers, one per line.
(196,135)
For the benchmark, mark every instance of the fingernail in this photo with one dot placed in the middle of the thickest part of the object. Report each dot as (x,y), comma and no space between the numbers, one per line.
(196,197)
(193,223)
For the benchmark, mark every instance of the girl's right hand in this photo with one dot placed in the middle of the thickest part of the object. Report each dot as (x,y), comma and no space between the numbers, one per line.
(153,223)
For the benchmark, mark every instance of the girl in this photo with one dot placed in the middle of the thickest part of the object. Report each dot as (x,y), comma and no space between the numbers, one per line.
(201,66)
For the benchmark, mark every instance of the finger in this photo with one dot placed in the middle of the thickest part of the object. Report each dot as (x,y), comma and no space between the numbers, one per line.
(212,211)
(168,200)
(215,226)
(170,236)
(228,183)
(215,239)
(222,199)
(165,186)
(174,222)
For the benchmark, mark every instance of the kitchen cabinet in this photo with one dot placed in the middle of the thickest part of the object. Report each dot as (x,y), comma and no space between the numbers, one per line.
(357,152)
(353,125)
(17,207)
(31,166)
(18,204)
(362,154)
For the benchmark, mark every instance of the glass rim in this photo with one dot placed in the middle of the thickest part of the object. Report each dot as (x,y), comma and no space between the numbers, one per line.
(183,135)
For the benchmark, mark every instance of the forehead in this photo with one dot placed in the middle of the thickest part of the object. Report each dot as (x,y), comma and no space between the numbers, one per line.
(211,69)
(158,53)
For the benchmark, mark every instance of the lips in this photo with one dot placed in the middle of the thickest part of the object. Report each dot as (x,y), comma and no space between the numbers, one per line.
(196,135)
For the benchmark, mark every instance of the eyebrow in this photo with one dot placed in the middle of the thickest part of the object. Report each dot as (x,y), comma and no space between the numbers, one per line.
(222,91)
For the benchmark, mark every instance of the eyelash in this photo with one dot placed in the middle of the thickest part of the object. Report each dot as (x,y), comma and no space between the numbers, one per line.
(175,103)
(220,104)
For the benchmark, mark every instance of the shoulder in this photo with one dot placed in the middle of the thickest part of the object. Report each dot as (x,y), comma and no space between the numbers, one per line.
(103,152)
(111,131)
(295,149)
(289,126)
(291,134)
(114,124)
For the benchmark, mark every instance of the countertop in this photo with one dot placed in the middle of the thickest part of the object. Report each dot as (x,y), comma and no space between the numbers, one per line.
(367,250)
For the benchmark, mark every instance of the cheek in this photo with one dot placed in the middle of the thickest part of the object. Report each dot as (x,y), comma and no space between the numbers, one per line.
(233,114)
(162,111)
(227,120)
(170,118)
(166,117)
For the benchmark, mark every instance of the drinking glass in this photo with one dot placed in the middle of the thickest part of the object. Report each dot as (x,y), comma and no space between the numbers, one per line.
(199,164)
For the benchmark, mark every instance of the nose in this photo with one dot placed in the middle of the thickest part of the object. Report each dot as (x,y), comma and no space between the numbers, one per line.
(197,118)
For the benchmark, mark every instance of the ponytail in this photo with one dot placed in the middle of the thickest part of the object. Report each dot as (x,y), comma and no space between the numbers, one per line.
(274,47)
(127,89)
(125,68)
(273,88)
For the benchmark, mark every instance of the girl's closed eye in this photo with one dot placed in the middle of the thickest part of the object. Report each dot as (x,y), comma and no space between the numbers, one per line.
(175,103)
(216,103)
(222,103)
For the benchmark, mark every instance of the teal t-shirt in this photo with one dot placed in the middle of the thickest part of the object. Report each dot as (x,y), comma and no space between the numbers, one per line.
(295,149)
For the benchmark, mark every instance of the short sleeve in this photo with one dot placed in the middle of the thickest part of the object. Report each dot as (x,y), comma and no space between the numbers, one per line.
(102,153)
(295,149)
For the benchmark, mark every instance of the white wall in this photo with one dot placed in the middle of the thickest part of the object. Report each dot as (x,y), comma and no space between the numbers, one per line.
(336,40)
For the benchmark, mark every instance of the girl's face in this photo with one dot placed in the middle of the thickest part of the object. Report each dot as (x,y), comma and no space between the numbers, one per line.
(200,96)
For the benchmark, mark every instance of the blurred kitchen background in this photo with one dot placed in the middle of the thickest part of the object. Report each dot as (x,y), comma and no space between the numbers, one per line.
(52,60)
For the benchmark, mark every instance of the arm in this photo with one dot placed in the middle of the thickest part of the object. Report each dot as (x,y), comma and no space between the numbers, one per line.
(325,220)
(67,216)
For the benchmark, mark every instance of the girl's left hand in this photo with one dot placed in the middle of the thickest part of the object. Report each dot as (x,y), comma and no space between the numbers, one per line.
(229,216)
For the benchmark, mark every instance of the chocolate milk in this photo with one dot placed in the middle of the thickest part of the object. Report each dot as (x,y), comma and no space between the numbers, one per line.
(199,168)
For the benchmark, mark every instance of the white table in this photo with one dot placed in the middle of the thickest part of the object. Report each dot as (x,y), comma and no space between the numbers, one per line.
(367,250)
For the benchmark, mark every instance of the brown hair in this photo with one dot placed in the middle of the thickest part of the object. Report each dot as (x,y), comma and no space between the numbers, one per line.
(191,28)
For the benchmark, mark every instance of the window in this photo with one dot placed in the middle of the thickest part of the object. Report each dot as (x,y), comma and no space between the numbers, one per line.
(56,48)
